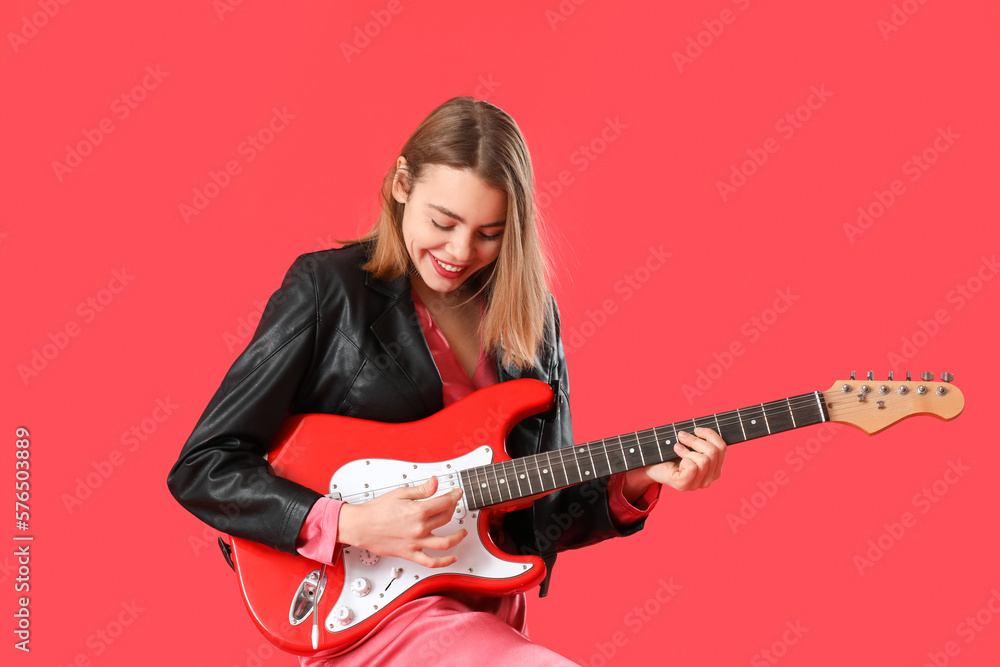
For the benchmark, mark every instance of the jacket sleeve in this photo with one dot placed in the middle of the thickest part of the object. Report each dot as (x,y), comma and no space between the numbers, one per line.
(222,476)
(576,516)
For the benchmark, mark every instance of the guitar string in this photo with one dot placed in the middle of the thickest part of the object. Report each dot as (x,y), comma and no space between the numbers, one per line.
(647,442)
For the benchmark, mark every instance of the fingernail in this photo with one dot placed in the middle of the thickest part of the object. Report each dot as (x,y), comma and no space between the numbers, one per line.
(682,434)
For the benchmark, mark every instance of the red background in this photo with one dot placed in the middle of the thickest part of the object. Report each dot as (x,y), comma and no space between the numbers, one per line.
(167,334)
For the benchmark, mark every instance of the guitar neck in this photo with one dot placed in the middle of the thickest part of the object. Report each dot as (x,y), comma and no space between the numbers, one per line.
(518,478)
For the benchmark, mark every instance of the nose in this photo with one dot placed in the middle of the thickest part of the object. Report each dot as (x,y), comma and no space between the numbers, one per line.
(462,248)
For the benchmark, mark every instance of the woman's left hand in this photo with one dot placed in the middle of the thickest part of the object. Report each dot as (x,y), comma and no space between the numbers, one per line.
(696,468)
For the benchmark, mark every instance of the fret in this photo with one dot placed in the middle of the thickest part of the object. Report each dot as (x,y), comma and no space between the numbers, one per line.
(743,427)
(602,464)
(484,486)
(494,485)
(631,452)
(522,475)
(613,453)
(819,405)
(516,475)
(590,471)
(469,488)
(576,460)
(507,468)
(659,449)
(808,410)
(753,422)
(547,470)
(562,467)
(765,419)
(779,418)
(650,447)
(791,413)
(730,427)
(669,438)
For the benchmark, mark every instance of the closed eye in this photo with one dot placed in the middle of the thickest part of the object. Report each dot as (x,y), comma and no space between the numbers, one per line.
(483,235)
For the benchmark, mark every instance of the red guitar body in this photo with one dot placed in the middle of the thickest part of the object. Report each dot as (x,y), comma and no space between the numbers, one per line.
(311,448)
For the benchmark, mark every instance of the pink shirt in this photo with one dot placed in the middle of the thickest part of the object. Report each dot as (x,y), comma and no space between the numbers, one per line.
(318,540)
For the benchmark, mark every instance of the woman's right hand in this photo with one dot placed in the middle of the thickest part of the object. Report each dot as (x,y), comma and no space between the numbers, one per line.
(399,523)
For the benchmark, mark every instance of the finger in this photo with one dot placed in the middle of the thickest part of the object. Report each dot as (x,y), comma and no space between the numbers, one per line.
(420,558)
(694,464)
(443,542)
(425,490)
(717,453)
(433,509)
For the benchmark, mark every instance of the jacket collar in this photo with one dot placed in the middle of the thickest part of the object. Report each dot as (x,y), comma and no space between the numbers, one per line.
(398,331)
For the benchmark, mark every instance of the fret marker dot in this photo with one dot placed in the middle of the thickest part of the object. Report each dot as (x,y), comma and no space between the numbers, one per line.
(631,450)
(544,471)
(522,476)
(587,472)
(502,481)
(753,421)
(668,442)
(484,485)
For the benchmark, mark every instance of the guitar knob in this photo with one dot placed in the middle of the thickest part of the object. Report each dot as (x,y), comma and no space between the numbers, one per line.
(361,587)
(927,377)
(947,377)
(343,615)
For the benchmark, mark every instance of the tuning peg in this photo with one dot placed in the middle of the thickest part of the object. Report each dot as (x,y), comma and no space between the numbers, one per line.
(927,377)
(909,377)
(890,376)
(852,375)
(871,375)
(947,377)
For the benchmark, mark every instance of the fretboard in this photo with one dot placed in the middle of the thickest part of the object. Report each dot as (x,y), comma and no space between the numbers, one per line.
(498,483)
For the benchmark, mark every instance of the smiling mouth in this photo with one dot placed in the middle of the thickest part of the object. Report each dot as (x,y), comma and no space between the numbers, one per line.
(451,268)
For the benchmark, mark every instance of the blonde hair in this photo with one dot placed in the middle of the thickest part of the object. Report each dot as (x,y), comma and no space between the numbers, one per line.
(464,133)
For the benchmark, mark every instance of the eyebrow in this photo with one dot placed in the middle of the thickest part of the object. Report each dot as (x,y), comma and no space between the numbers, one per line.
(442,209)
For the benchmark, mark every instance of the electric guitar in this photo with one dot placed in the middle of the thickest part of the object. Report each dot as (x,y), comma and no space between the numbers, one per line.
(304,607)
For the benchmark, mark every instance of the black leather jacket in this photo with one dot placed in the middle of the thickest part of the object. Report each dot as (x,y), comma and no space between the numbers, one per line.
(334,339)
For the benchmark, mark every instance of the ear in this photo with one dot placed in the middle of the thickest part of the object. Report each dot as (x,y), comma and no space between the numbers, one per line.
(401,181)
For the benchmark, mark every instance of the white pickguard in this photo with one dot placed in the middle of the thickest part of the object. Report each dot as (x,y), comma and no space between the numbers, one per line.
(363,480)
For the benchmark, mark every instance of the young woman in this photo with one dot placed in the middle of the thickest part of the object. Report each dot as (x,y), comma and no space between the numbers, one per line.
(445,295)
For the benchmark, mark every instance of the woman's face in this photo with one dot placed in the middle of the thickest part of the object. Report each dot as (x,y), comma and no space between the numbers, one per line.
(453,224)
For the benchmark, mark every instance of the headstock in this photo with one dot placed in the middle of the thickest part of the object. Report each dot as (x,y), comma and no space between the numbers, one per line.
(873,405)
